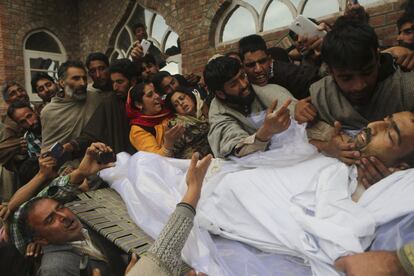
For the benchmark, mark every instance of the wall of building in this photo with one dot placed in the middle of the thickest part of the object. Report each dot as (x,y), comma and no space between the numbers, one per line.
(92,25)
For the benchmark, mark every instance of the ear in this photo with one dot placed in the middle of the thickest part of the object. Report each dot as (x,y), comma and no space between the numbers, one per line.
(61,83)
(41,241)
(220,94)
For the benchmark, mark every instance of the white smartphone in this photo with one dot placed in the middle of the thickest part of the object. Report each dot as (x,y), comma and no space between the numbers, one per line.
(145,44)
(304,27)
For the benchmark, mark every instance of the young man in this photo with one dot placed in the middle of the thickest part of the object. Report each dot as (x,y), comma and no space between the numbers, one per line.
(64,118)
(97,65)
(149,68)
(45,87)
(363,86)
(405,25)
(231,130)
(261,69)
(109,123)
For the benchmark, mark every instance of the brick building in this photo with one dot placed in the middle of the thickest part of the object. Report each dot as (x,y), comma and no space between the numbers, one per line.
(73,28)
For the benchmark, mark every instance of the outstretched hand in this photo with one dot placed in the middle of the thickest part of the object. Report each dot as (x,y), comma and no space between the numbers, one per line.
(195,176)
(89,164)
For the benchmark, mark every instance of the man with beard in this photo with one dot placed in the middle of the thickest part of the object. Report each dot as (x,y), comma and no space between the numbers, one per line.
(109,123)
(232,132)
(29,122)
(363,86)
(45,87)
(65,117)
(97,65)
(405,26)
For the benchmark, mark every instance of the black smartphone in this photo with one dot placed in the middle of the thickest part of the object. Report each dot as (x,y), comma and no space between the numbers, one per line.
(106,157)
(56,150)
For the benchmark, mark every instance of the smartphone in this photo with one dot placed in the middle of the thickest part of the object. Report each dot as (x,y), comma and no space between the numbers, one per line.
(145,44)
(106,157)
(56,150)
(303,26)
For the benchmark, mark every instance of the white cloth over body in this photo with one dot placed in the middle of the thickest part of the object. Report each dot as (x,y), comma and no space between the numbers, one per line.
(302,210)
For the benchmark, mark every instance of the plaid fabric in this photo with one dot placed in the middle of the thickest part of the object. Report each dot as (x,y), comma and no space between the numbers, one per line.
(33,144)
(60,189)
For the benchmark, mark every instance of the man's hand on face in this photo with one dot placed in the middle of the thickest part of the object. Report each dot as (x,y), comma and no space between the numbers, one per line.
(371,170)
(89,164)
(137,52)
(276,121)
(339,147)
(373,263)
(304,111)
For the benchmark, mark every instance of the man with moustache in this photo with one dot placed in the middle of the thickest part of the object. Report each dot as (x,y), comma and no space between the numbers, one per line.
(109,123)
(65,117)
(97,65)
(232,132)
(45,87)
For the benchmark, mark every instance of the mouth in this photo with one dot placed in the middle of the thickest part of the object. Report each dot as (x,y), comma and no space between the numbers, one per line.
(363,138)
(261,78)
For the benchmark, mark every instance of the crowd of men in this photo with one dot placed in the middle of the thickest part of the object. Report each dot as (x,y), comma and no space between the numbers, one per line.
(341,82)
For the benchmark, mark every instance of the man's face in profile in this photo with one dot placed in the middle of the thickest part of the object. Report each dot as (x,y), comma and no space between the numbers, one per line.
(390,140)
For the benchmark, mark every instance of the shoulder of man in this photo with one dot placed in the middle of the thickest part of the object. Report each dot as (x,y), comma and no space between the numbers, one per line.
(270,92)
(60,261)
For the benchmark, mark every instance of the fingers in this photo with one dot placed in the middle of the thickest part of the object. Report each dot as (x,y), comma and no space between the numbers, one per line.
(33,250)
(340,264)
(194,159)
(371,171)
(204,163)
(134,260)
(272,107)
(337,127)
(96,272)
(284,107)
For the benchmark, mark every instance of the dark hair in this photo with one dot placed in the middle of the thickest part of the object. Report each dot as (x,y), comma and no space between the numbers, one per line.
(63,68)
(17,105)
(148,58)
(137,93)
(6,87)
(351,44)
(96,56)
(40,76)
(180,89)
(405,18)
(23,220)
(220,70)
(232,53)
(125,67)
(251,43)
(157,80)
(278,54)
(138,25)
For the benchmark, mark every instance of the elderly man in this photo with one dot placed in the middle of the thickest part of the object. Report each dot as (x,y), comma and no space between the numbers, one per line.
(68,247)
(232,132)
(109,123)
(66,116)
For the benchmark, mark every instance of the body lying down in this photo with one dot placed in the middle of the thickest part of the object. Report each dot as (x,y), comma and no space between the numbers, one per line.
(289,200)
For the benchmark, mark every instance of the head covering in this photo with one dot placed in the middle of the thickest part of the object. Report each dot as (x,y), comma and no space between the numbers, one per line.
(136,117)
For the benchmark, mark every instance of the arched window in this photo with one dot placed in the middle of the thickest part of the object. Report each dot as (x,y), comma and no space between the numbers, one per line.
(159,33)
(43,52)
(244,17)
